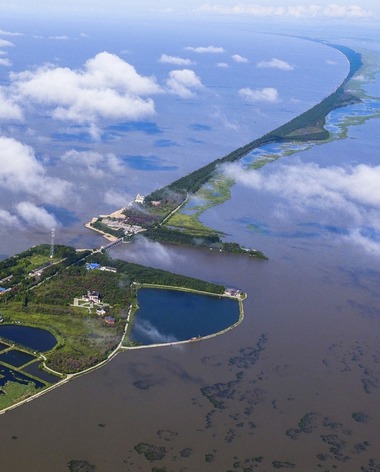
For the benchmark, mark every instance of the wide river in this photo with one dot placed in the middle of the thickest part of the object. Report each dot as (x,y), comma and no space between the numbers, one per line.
(294,386)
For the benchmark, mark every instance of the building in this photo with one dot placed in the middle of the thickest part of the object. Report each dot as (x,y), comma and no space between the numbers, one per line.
(93,296)
(139,199)
(92,266)
(108,269)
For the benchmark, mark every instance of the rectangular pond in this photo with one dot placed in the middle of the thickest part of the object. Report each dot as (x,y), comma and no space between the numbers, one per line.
(16,358)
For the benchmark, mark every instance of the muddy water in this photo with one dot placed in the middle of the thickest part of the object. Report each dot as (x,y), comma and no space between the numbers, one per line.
(283,386)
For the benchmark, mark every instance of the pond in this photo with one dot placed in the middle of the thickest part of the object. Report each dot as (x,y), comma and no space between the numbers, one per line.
(16,358)
(10,375)
(33,369)
(33,338)
(166,316)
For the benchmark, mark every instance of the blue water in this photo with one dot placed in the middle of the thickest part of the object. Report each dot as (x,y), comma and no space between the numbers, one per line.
(147,163)
(34,370)
(166,316)
(16,358)
(181,134)
(33,338)
(10,375)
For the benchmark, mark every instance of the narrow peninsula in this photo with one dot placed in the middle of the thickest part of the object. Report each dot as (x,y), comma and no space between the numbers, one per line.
(159,216)
(66,312)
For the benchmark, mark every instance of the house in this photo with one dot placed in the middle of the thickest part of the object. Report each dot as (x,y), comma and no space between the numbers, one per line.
(108,269)
(100,311)
(139,199)
(93,296)
(92,266)
(233,292)
(109,320)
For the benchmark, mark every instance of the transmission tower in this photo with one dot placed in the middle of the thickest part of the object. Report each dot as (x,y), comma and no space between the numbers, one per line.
(52,243)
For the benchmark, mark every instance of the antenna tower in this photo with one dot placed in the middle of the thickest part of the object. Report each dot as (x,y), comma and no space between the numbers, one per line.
(52,243)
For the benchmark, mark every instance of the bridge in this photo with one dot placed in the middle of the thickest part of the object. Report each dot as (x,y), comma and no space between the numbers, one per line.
(111,244)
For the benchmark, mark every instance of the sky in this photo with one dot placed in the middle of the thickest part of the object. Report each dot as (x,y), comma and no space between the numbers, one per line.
(258,8)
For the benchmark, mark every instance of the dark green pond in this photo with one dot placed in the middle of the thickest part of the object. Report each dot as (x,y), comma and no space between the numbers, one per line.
(33,338)
(166,316)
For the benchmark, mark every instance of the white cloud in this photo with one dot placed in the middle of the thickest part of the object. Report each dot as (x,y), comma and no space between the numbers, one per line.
(117,199)
(106,87)
(93,164)
(205,49)
(146,329)
(182,82)
(315,185)
(5,43)
(8,220)
(239,59)
(5,62)
(299,11)
(59,38)
(351,11)
(36,216)
(20,172)
(275,64)
(9,33)
(222,65)
(350,195)
(266,94)
(226,122)
(154,254)
(179,61)
(9,111)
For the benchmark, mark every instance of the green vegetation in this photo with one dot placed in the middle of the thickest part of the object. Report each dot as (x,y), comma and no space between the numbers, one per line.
(130,272)
(14,392)
(84,337)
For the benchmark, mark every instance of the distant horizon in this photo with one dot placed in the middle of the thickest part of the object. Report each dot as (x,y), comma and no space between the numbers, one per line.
(281,9)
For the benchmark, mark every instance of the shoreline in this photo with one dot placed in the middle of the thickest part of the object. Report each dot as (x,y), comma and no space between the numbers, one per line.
(120,348)
(306,127)
(240,152)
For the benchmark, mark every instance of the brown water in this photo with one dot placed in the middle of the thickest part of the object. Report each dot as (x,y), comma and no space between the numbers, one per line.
(309,345)
(294,386)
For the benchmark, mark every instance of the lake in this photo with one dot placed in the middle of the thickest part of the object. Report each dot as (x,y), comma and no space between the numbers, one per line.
(294,386)
(167,316)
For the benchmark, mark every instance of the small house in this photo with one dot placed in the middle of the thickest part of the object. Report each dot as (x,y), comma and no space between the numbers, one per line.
(92,266)
(139,199)
(93,296)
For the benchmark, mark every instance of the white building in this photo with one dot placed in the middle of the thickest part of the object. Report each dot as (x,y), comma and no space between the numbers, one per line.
(139,199)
